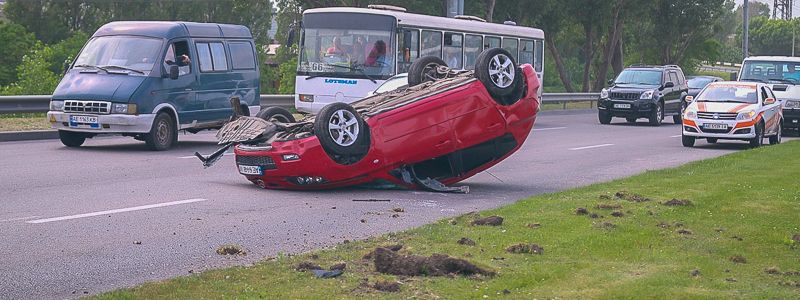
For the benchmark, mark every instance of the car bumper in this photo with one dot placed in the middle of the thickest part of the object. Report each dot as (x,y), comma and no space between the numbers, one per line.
(112,123)
(791,118)
(737,130)
(618,108)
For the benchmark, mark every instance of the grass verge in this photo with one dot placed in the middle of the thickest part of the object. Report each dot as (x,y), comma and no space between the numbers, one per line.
(733,238)
(24,122)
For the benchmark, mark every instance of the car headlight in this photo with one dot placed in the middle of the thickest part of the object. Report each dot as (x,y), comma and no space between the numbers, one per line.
(746,115)
(647,95)
(604,94)
(791,104)
(121,108)
(56,105)
(690,114)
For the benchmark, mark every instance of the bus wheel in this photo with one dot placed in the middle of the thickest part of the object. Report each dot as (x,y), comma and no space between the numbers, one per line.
(425,69)
(496,69)
(341,130)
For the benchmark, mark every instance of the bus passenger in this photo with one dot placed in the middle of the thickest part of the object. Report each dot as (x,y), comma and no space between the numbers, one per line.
(377,56)
(336,47)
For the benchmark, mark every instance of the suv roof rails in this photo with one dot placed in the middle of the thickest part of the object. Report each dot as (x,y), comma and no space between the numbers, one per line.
(673,66)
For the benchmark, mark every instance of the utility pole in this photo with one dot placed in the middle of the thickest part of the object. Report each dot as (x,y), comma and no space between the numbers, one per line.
(745,29)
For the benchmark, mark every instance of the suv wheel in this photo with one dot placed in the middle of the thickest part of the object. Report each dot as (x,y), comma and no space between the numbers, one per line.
(605,117)
(657,115)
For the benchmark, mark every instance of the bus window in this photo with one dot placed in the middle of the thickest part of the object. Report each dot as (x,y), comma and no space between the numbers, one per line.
(539,59)
(526,52)
(510,44)
(408,50)
(431,44)
(453,44)
(473,45)
(491,42)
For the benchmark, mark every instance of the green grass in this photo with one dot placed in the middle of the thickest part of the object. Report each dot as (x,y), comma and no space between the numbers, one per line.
(23,122)
(751,195)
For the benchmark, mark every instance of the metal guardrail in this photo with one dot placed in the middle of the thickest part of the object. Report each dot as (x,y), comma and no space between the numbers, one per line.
(41,103)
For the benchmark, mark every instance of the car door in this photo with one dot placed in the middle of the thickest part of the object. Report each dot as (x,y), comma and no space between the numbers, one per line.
(771,111)
(672,96)
(179,92)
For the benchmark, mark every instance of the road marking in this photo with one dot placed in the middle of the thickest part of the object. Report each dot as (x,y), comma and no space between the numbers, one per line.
(19,219)
(115,211)
(192,156)
(591,147)
(674,136)
(548,128)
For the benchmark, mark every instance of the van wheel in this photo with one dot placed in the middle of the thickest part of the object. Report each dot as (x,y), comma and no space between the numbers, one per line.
(688,141)
(164,133)
(425,69)
(71,138)
(341,130)
(496,69)
(274,113)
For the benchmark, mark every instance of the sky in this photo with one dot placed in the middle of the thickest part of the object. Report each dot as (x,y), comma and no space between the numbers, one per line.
(795,4)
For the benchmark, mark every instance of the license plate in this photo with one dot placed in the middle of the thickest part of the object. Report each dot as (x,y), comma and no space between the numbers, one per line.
(622,105)
(715,126)
(250,170)
(84,122)
(794,121)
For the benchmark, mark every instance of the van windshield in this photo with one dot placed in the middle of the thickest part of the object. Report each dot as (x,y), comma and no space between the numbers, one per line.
(123,54)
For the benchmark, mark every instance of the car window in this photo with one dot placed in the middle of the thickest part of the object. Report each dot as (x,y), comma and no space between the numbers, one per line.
(408,50)
(764,94)
(491,42)
(647,77)
(673,77)
(453,46)
(511,45)
(174,56)
(212,57)
(699,82)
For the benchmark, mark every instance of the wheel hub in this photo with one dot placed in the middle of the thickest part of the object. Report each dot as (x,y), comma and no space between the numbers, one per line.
(501,71)
(343,128)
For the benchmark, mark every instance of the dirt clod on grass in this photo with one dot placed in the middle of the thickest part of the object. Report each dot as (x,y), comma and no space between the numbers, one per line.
(466,241)
(339,266)
(525,248)
(624,195)
(738,238)
(307,265)
(606,225)
(790,283)
(677,202)
(685,231)
(608,206)
(618,214)
(731,279)
(394,248)
(664,225)
(605,197)
(695,273)
(581,211)
(594,216)
(534,225)
(772,271)
(231,249)
(796,238)
(387,286)
(738,259)
(491,221)
(389,262)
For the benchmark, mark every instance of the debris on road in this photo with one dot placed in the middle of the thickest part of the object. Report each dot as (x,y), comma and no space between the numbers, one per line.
(372,200)
(230,249)
(466,241)
(389,262)
(137,242)
(525,248)
(491,221)
(677,202)
(398,209)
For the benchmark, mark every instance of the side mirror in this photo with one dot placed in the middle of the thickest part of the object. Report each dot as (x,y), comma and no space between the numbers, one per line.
(688,99)
(669,84)
(769,101)
(611,82)
(173,72)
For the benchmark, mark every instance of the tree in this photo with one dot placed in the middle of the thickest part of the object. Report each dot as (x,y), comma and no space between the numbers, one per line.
(16,42)
(35,75)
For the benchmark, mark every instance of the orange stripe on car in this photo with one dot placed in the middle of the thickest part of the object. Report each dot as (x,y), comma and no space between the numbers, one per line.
(701,107)
(749,123)
(688,122)
(738,108)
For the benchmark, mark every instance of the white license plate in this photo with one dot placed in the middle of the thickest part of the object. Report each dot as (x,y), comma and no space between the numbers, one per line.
(250,170)
(622,105)
(84,121)
(794,121)
(715,126)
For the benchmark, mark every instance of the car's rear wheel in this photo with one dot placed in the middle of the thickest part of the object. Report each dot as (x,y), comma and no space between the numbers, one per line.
(274,113)
(604,117)
(164,133)
(497,70)
(425,69)
(759,139)
(776,139)
(711,140)
(71,138)
(688,141)
(341,130)
(630,120)
(657,115)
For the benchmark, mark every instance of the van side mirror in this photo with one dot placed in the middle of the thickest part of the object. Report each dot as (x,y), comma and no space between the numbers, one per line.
(688,99)
(669,84)
(173,72)
(769,101)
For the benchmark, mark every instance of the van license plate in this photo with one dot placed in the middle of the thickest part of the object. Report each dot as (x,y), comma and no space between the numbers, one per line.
(715,126)
(250,170)
(84,121)
(622,105)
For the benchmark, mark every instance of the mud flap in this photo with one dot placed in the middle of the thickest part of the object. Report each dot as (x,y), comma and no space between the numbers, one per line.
(430,184)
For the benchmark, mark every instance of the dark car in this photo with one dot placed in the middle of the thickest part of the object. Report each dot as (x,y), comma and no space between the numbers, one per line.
(650,92)
(443,127)
(696,84)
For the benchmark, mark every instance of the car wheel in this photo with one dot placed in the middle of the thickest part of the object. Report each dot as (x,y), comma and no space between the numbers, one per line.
(657,115)
(776,139)
(711,140)
(71,138)
(759,139)
(164,133)
(677,119)
(496,69)
(425,69)
(605,118)
(274,113)
(630,120)
(688,141)
(341,130)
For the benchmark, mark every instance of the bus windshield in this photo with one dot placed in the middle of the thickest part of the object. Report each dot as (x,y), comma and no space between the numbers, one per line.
(347,45)
(771,72)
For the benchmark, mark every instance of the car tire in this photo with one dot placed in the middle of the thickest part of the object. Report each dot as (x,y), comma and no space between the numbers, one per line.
(688,141)
(776,139)
(164,133)
(711,140)
(341,130)
(759,139)
(677,119)
(424,69)
(630,120)
(657,115)
(497,70)
(71,139)
(274,113)
(604,117)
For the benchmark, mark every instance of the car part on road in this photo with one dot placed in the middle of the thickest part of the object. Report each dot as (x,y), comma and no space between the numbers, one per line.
(163,134)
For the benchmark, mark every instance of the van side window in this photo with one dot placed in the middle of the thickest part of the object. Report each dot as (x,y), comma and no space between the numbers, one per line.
(242,57)
(174,56)
(212,57)
(539,58)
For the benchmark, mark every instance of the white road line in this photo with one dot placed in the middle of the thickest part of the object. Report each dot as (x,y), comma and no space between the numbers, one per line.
(674,136)
(548,128)
(19,219)
(115,211)
(591,147)
(192,156)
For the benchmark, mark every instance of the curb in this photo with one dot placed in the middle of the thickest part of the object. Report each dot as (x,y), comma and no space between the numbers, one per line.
(12,136)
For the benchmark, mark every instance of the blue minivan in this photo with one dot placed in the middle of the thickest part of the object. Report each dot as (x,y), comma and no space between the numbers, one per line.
(148,80)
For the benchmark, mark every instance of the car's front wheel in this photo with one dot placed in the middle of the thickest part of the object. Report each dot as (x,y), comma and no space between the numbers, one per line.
(776,139)
(604,117)
(688,141)
(164,133)
(341,130)
(656,115)
(71,138)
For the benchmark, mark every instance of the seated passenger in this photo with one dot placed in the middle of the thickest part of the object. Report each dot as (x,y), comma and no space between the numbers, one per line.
(377,55)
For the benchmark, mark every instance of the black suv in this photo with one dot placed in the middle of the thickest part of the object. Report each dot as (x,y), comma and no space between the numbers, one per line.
(650,92)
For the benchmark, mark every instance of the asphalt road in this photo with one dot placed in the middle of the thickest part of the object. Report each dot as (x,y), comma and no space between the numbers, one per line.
(111,214)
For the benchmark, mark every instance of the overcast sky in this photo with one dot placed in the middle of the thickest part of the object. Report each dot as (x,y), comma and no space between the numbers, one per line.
(795,4)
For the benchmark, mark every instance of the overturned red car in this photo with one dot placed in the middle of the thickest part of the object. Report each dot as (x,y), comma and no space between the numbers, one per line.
(442,128)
